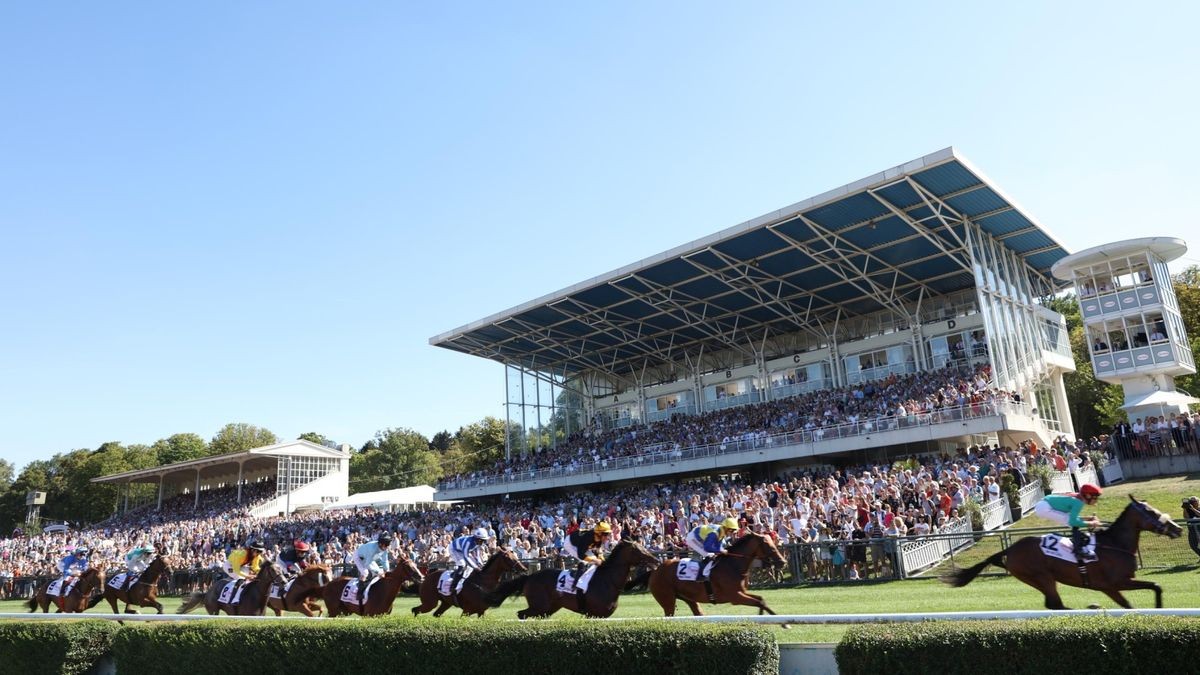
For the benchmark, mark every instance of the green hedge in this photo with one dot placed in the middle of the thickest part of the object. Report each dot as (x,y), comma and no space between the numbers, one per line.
(69,647)
(443,646)
(1132,644)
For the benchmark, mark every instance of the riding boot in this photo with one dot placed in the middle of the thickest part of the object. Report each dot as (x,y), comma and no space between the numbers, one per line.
(1079,540)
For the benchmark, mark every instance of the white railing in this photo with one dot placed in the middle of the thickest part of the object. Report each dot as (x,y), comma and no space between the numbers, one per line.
(1030,495)
(1060,482)
(753,444)
(920,553)
(996,514)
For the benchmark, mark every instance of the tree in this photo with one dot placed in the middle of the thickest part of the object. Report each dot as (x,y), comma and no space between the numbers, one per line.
(313,437)
(240,437)
(482,443)
(441,441)
(400,458)
(1187,290)
(6,474)
(179,448)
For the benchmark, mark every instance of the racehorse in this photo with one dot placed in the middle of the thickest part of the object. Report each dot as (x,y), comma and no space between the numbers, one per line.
(599,601)
(1111,573)
(73,602)
(254,595)
(142,592)
(303,594)
(379,597)
(728,578)
(471,599)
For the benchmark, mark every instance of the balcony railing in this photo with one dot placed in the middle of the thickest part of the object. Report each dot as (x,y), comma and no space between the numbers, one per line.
(756,443)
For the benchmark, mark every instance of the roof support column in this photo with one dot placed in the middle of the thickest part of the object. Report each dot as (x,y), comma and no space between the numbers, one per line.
(126,496)
(240,465)
(161,478)
(196,493)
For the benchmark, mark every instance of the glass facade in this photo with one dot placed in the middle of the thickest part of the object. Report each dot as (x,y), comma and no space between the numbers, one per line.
(544,409)
(294,472)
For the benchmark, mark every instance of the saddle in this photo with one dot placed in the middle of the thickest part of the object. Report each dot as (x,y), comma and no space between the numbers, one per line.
(1061,547)
(280,590)
(231,594)
(118,581)
(350,592)
(445,584)
(58,587)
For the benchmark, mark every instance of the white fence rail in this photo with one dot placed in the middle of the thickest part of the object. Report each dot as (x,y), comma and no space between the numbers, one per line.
(1030,495)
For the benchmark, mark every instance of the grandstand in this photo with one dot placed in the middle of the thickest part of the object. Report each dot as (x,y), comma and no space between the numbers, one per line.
(912,287)
(305,476)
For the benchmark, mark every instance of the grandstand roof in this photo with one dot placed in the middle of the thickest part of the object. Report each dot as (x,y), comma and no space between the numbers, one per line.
(255,459)
(879,243)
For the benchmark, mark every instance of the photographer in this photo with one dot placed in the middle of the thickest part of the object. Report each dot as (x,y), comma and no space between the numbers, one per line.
(1191,513)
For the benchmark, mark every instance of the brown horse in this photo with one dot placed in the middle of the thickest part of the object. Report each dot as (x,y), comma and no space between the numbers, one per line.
(142,592)
(1112,573)
(73,602)
(599,601)
(254,595)
(380,596)
(471,599)
(303,594)
(729,577)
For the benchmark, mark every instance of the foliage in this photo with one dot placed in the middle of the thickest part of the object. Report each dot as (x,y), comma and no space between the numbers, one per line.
(180,448)
(312,437)
(6,474)
(58,647)
(1043,474)
(1131,644)
(399,458)
(240,437)
(441,441)
(1008,487)
(451,646)
(481,443)
(971,509)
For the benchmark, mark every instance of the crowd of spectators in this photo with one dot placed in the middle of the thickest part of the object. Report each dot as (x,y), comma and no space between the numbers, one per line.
(1158,435)
(898,400)
(822,508)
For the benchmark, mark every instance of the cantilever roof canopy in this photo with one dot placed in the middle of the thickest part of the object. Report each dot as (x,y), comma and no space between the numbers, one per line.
(872,245)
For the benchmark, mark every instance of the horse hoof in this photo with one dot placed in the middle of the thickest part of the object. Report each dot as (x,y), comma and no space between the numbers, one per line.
(1094,606)
(784,626)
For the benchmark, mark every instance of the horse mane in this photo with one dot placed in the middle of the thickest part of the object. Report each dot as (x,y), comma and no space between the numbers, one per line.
(314,568)
(609,561)
(743,541)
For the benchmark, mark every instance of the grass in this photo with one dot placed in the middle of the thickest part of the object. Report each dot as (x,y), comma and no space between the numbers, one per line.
(1181,583)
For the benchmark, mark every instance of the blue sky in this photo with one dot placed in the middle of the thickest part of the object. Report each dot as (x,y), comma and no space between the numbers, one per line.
(261,212)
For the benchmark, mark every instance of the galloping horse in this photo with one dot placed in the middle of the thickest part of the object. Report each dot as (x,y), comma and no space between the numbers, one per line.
(379,597)
(142,592)
(303,594)
(1112,573)
(254,595)
(729,577)
(471,599)
(599,601)
(73,602)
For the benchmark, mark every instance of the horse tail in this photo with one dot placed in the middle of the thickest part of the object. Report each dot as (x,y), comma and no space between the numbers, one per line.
(641,581)
(32,604)
(960,578)
(191,602)
(501,592)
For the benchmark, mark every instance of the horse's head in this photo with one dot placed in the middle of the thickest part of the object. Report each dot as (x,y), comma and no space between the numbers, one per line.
(762,547)
(94,576)
(406,569)
(508,559)
(1153,520)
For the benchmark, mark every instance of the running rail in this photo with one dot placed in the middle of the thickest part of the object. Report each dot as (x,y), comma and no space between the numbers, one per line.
(781,619)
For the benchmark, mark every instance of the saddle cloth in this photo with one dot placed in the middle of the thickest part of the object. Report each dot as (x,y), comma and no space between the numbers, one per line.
(118,581)
(278,591)
(443,585)
(568,584)
(228,596)
(350,592)
(57,587)
(1058,546)
(689,570)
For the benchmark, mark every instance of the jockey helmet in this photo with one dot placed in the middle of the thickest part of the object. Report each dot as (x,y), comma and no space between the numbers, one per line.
(255,545)
(384,539)
(300,545)
(82,550)
(1090,490)
(483,534)
(603,527)
(729,523)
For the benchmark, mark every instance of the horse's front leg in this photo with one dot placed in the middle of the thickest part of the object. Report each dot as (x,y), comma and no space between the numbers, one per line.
(1138,585)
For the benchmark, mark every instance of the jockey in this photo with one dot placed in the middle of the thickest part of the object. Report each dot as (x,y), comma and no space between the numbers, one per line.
(136,562)
(587,545)
(371,559)
(469,554)
(75,563)
(294,558)
(1064,510)
(709,540)
(245,562)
